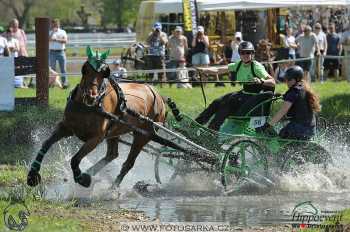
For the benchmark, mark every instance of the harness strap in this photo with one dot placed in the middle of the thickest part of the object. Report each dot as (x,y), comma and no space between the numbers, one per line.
(120,94)
(251,67)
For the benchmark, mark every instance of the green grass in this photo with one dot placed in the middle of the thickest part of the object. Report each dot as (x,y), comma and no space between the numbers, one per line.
(38,223)
(344,223)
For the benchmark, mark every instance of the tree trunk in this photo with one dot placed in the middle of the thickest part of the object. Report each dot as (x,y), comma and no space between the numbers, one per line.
(120,6)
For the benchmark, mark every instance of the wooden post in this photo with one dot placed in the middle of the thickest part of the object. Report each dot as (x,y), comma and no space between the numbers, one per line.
(42,26)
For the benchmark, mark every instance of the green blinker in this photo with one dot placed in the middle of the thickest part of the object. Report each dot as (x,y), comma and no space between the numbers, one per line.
(95,59)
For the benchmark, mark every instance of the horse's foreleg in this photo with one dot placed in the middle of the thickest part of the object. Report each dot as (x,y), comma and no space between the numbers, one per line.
(112,153)
(83,179)
(34,177)
(138,143)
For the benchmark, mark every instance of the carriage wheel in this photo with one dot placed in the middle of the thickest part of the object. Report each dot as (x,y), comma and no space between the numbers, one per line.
(298,154)
(167,169)
(242,159)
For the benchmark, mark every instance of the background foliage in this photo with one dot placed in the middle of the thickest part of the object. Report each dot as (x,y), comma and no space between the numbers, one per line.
(103,13)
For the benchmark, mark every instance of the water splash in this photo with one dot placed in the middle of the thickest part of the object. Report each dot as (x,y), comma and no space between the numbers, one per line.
(308,178)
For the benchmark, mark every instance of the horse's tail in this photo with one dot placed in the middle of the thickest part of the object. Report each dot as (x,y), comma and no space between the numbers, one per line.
(173,107)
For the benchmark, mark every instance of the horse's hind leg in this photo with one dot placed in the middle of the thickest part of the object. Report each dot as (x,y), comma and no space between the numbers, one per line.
(138,143)
(83,179)
(34,177)
(112,153)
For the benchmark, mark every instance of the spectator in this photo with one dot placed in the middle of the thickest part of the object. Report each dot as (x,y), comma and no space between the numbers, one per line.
(182,75)
(333,49)
(322,45)
(4,50)
(234,45)
(14,47)
(20,35)
(283,50)
(301,29)
(117,71)
(178,47)
(290,42)
(345,41)
(307,44)
(281,71)
(156,52)
(57,45)
(200,52)
(264,54)
(227,52)
(12,42)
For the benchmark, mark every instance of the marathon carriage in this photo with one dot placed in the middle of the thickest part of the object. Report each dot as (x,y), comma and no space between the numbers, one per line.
(100,108)
(238,151)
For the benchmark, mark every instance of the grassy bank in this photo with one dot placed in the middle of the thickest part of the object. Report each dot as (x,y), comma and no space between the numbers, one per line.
(57,215)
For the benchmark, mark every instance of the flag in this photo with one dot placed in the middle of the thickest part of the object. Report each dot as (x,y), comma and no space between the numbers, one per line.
(190,15)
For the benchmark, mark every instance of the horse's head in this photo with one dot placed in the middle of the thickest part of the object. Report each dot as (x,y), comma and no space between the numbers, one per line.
(93,72)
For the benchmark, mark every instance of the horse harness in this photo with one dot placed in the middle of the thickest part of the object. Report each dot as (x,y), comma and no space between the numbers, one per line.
(78,107)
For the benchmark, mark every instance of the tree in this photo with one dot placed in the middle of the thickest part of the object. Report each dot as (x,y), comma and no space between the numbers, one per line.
(84,16)
(20,9)
(65,10)
(119,12)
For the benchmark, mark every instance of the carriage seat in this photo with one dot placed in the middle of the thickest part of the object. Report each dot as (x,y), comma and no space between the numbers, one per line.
(257,105)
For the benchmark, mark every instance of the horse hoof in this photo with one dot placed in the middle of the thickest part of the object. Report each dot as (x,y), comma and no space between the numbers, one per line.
(84,180)
(33,178)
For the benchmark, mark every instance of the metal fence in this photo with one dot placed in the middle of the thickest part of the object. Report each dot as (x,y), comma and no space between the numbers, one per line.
(81,60)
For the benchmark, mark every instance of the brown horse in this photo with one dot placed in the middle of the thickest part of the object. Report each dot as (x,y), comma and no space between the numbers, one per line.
(81,118)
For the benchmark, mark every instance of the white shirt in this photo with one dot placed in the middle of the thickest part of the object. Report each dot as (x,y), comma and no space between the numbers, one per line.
(290,40)
(321,40)
(3,45)
(307,45)
(13,44)
(235,53)
(59,34)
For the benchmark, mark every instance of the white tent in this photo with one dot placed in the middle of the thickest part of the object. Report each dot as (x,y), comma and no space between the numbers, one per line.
(175,6)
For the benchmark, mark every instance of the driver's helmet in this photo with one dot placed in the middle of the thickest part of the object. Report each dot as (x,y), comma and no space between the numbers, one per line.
(246,46)
(294,72)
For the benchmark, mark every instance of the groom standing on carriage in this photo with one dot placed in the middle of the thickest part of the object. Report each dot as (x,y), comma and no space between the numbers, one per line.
(258,86)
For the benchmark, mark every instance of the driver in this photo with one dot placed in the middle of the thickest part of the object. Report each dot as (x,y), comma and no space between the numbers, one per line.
(258,87)
(300,105)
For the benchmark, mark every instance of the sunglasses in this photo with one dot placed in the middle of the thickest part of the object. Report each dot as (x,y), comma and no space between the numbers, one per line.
(246,52)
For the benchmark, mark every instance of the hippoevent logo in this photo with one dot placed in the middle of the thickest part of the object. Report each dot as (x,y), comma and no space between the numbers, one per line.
(16,215)
(306,215)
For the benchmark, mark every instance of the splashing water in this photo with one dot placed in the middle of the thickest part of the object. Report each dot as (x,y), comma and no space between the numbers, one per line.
(307,178)
(257,203)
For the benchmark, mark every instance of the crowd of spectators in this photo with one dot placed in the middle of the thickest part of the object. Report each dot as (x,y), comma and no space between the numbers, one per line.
(306,44)
(309,39)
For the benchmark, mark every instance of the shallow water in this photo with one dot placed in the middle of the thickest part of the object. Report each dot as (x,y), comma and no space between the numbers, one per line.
(200,197)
